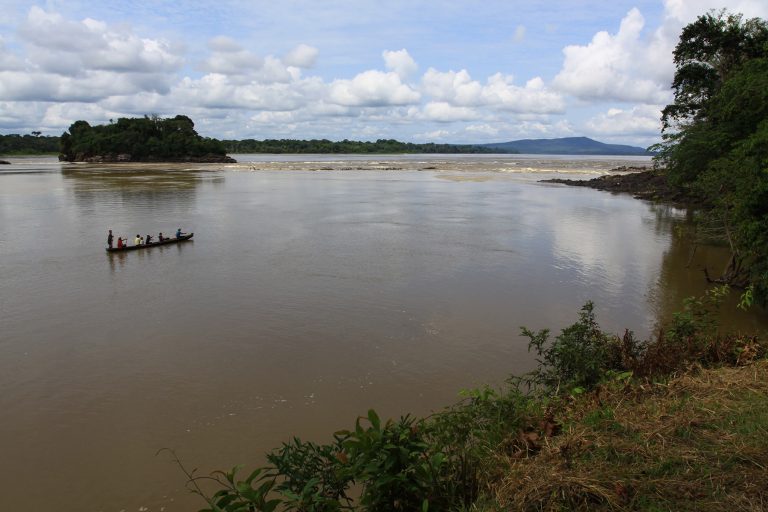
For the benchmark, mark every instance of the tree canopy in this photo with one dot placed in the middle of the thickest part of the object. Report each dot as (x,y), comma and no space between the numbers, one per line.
(139,139)
(715,135)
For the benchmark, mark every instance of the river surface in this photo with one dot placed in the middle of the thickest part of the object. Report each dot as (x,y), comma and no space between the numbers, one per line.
(315,288)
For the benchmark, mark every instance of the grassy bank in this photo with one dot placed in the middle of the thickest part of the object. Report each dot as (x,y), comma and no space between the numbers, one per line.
(698,441)
(605,422)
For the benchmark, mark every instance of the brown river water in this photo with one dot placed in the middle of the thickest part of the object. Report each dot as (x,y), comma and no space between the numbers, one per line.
(315,288)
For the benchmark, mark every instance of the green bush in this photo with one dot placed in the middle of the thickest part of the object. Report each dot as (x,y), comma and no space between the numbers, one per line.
(579,357)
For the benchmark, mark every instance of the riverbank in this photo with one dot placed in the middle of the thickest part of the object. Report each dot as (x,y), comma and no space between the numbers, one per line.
(604,423)
(695,442)
(648,184)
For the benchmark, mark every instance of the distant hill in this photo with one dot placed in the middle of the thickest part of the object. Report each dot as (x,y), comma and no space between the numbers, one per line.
(565,146)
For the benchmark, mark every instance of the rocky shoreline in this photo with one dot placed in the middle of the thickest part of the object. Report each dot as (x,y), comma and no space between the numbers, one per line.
(641,182)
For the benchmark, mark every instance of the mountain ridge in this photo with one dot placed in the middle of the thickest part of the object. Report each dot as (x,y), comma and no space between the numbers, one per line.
(566,146)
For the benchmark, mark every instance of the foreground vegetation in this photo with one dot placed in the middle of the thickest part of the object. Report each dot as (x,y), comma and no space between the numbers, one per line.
(604,423)
(715,138)
(147,139)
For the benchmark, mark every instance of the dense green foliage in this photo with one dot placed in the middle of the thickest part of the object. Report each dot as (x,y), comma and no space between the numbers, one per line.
(138,139)
(33,144)
(346,146)
(715,138)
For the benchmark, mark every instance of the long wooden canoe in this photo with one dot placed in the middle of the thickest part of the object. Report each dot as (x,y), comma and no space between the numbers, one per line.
(165,241)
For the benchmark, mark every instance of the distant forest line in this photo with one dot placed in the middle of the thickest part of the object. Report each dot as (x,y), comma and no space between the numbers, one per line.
(346,146)
(36,144)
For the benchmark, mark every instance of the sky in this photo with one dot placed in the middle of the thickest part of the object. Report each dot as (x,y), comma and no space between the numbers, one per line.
(448,71)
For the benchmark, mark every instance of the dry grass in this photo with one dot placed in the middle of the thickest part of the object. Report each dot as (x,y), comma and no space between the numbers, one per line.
(697,442)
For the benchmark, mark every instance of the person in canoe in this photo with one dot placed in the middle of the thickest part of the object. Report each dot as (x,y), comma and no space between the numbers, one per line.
(109,239)
(179,234)
(148,240)
(137,240)
(160,237)
(120,243)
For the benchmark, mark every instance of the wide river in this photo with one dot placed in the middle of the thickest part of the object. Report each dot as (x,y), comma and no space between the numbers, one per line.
(315,288)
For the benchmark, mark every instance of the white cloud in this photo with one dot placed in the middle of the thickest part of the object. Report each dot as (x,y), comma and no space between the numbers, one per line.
(85,61)
(373,89)
(685,11)
(230,58)
(274,70)
(21,115)
(220,92)
(433,135)
(303,56)
(64,114)
(611,67)
(632,67)
(400,62)
(93,45)
(643,120)
(457,88)
(92,86)
(482,129)
(443,112)
(500,92)
(543,129)
(533,98)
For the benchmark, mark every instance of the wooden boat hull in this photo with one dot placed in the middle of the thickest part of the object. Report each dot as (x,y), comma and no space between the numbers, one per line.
(153,244)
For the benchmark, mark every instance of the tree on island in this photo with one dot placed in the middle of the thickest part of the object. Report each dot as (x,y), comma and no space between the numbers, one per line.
(144,139)
(715,137)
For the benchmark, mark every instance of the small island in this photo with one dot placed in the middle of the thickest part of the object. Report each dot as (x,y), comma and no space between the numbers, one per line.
(146,139)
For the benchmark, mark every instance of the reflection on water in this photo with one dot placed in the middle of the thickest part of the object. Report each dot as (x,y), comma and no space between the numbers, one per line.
(306,298)
(682,275)
(118,186)
(118,260)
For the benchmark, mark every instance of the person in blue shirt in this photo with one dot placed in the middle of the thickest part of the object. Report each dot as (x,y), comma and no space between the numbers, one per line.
(179,234)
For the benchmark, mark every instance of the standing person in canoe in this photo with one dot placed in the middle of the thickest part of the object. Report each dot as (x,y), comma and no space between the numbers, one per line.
(109,239)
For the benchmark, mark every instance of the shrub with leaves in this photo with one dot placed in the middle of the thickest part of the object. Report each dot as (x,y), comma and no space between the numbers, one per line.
(314,478)
(394,463)
(579,356)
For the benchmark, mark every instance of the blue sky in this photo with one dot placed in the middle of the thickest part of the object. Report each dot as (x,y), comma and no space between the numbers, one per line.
(451,71)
